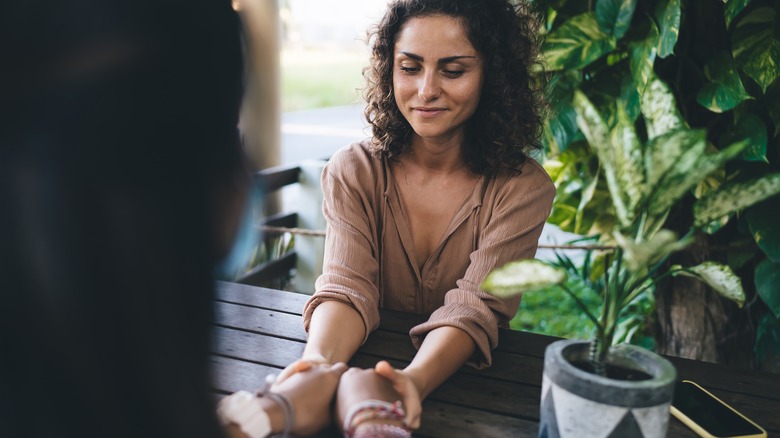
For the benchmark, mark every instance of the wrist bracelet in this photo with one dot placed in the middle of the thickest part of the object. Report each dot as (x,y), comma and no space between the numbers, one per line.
(371,410)
(287,407)
(381,431)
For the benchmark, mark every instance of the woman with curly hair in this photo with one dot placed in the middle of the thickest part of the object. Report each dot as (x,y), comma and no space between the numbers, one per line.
(441,194)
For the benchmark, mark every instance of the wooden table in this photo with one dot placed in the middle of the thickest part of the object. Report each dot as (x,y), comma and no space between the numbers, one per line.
(259,331)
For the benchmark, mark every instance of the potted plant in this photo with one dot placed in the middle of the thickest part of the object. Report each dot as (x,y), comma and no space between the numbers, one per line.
(594,388)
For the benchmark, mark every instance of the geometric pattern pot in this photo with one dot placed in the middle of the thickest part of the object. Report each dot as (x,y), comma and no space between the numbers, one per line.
(576,403)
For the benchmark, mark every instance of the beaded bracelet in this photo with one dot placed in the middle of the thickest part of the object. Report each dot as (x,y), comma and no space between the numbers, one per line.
(381,431)
(371,410)
(282,401)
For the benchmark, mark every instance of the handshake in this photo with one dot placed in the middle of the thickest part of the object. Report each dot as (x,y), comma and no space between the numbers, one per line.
(310,393)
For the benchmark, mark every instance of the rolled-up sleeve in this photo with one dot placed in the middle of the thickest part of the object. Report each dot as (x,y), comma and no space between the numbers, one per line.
(350,269)
(511,231)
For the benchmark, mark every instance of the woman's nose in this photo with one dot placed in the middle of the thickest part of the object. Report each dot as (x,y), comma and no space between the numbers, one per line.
(428,88)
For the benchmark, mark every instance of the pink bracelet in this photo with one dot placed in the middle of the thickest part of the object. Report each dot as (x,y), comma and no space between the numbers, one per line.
(381,431)
(371,410)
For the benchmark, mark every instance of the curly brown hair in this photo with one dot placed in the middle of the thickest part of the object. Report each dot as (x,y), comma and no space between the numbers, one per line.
(508,120)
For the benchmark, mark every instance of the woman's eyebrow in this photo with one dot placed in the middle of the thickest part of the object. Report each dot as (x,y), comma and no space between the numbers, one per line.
(441,60)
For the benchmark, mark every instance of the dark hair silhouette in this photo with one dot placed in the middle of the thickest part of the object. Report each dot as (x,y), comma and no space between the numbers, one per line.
(118,147)
(508,120)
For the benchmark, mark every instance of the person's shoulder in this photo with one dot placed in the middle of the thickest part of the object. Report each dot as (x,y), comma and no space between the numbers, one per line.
(354,154)
(354,162)
(532,177)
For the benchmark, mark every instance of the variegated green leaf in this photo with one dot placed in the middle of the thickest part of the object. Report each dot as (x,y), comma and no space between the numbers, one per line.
(692,167)
(756,48)
(667,15)
(751,128)
(733,8)
(734,197)
(724,89)
(643,58)
(587,195)
(628,157)
(767,279)
(640,256)
(578,42)
(614,16)
(596,131)
(719,277)
(762,221)
(521,276)
(660,109)
(560,131)
(663,152)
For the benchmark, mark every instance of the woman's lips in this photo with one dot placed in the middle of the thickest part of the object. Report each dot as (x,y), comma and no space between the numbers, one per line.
(429,112)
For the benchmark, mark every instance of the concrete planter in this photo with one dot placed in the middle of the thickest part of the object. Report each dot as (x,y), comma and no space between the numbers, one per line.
(576,403)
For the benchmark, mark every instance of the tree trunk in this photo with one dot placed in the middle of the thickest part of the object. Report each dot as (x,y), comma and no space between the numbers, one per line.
(694,322)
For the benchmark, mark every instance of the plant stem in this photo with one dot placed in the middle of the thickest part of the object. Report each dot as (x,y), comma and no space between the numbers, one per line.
(580,304)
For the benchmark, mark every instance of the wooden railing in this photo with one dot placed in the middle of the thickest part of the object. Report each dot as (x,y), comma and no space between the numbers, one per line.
(304,262)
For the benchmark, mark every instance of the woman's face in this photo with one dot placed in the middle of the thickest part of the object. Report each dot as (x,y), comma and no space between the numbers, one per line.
(437,76)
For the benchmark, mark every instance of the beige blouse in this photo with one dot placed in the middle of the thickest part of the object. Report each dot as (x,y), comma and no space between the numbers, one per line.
(369,260)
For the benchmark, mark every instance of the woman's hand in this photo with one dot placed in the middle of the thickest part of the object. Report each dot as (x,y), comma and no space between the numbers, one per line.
(310,390)
(410,395)
(302,364)
(358,385)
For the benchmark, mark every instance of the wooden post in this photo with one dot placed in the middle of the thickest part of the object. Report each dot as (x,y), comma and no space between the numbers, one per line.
(261,115)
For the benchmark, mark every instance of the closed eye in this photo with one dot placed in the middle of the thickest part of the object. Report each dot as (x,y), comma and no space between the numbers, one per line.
(409,70)
(453,73)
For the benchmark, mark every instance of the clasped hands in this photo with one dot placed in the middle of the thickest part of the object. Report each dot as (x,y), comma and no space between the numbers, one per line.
(311,394)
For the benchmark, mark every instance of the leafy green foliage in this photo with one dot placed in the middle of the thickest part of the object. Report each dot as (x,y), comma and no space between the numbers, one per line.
(762,221)
(756,47)
(638,133)
(577,43)
(614,16)
(767,280)
(735,197)
(720,278)
(668,15)
(724,89)
(733,8)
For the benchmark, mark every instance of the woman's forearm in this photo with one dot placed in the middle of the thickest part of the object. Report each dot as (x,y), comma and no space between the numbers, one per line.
(335,332)
(443,351)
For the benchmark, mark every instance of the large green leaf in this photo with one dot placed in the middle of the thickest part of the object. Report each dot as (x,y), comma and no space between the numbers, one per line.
(640,256)
(668,14)
(751,128)
(762,222)
(521,276)
(628,161)
(692,167)
(719,277)
(663,152)
(772,101)
(660,109)
(724,89)
(733,8)
(614,16)
(643,58)
(756,48)
(767,278)
(734,197)
(596,131)
(560,131)
(578,42)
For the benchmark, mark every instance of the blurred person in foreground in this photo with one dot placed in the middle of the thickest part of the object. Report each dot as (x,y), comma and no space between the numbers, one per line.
(121,185)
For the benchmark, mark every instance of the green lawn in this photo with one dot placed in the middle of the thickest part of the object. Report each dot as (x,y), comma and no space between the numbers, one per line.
(317,79)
